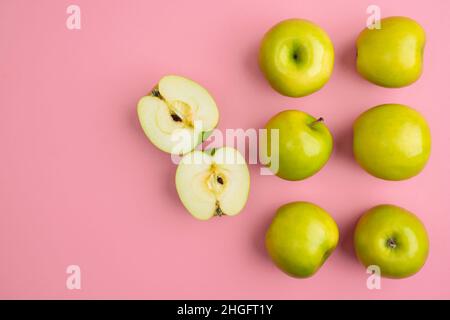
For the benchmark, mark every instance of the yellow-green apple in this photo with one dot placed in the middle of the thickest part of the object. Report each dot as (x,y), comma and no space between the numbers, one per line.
(392,55)
(391,141)
(300,238)
(393,239)
(296,56)
(305,144)
(177,107)
(213,183)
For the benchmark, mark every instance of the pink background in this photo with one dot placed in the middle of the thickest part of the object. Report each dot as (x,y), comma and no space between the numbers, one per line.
(80,184)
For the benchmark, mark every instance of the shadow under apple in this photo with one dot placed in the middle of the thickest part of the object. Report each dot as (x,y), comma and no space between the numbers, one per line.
(343,143)
(252,67)
(346,57)
(346,231)
(259,235)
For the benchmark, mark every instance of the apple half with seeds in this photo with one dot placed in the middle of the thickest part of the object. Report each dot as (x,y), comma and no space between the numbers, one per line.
(213,183)
(177,107)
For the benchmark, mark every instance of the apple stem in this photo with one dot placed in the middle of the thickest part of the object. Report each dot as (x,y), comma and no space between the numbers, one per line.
(316,121)
(155,93)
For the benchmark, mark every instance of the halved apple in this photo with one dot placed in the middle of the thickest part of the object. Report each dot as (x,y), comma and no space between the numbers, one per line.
(176,114)
(213,183)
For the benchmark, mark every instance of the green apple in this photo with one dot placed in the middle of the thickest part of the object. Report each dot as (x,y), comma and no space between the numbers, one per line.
(213,183)
(393,239)
(391,141)
(304,145)
(296,56)
(392,55)
(300,238)
(177,107)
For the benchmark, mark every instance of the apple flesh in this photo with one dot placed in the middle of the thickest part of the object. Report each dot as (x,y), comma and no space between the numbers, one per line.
(213,183)
(177,105)
(391,141)
(393,239)
(305,144)
(300,238)
(391,56)
(296,57)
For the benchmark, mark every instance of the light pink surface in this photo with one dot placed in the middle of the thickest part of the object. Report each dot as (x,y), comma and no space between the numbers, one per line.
(80,184)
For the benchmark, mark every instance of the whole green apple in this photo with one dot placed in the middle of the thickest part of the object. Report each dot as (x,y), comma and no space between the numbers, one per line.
(391,141)
(393,239)
(304,144)
(296,56)
(300,238)
(392,55)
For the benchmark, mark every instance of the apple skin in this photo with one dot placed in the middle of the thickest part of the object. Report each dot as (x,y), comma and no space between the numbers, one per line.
(374,247)
(391,141)
(391,56)
(300,238)
(305,144)
(296,57)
